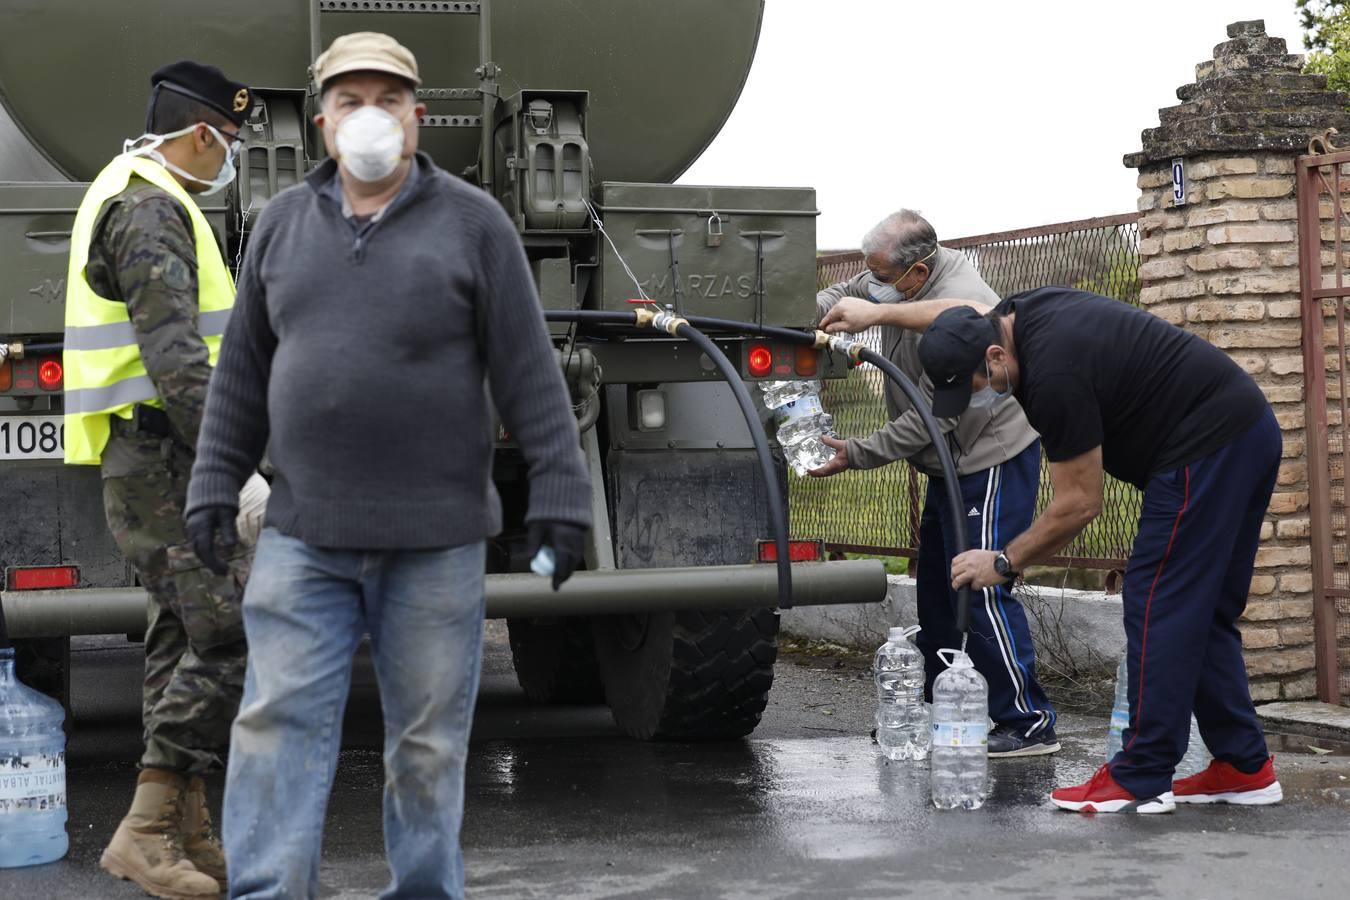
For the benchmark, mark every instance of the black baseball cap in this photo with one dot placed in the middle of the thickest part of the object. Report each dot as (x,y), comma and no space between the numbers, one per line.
(951,352)
(205,84)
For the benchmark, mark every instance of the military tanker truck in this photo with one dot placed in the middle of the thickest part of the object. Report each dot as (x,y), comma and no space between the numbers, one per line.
(578,117)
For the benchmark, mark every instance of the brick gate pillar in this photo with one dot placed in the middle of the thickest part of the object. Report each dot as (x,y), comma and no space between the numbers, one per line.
(1224,265)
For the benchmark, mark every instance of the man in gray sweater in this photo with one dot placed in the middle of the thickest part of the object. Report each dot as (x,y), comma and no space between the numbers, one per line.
(377,303)
(998,459)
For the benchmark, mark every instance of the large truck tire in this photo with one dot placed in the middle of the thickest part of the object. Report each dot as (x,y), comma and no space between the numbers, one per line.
(688,676)
(555,660)
(693,675)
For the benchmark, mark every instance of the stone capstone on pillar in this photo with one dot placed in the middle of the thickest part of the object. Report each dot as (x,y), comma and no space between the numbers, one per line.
(1253,95)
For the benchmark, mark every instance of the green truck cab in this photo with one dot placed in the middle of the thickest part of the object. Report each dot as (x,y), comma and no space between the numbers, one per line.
(576,117)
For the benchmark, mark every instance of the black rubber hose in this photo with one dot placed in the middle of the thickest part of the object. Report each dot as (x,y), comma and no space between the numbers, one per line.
(30,349)
(920,404)
(949,477)
(777,508)
(964,596)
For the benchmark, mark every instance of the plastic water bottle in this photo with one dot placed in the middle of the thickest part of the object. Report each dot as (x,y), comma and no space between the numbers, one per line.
(776,393)
(959,766)
(902,719)
(800,422)
(32,772)
(1197,754)
(1120,712)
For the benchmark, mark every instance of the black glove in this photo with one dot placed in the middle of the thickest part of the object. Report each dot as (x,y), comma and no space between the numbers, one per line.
(204,525)
(567,542)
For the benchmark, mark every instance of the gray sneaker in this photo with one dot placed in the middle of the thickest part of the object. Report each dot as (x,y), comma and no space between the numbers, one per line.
(1006,742)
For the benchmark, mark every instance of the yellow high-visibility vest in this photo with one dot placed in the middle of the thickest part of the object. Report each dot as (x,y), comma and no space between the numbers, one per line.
(104,373)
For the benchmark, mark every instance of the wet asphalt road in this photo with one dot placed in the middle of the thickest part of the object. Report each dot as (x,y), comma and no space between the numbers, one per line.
(561,805)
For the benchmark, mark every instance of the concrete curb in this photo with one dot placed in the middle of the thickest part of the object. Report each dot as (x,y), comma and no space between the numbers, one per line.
(1306,717)
(1081,627)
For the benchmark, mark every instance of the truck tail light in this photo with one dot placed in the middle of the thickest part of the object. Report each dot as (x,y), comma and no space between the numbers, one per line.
(6,375)
(50,375)
(42,578)
(759,360)
(808,361)
(798,551)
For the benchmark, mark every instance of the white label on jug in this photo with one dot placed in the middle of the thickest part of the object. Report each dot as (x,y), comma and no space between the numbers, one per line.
(960,734)
(32,783)
(799,408)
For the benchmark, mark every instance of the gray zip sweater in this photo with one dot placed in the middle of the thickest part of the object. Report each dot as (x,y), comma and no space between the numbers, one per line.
(984,438)
(364,353)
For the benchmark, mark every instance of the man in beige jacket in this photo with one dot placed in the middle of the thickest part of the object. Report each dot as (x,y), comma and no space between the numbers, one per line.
(998,461)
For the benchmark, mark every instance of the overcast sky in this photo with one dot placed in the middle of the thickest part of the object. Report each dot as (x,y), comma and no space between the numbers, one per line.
(984,115)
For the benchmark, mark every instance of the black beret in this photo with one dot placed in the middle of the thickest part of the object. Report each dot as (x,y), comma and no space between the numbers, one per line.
(208,85)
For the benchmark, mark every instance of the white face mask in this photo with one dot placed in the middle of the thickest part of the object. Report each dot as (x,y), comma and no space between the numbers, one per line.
(150,149)
(370,144)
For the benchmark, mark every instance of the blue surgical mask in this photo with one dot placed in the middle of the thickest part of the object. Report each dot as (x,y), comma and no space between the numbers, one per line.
(985,398)
(998,396)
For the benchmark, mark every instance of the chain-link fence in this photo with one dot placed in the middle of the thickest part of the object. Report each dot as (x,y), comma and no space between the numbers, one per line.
(877,511)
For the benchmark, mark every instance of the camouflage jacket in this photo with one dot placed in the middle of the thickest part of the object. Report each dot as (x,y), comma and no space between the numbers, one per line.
(144,254)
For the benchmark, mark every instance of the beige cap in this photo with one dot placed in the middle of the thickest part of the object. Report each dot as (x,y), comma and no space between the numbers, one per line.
(365,51)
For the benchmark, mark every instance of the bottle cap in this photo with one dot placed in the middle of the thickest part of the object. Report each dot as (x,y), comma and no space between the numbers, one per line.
(896,634)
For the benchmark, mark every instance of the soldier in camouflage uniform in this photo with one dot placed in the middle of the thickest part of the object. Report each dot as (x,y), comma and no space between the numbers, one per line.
(143,252)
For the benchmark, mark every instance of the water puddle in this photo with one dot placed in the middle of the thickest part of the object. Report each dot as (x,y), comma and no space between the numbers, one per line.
(1298,743)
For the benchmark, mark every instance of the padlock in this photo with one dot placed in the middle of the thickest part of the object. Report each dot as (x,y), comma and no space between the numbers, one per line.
(714,237)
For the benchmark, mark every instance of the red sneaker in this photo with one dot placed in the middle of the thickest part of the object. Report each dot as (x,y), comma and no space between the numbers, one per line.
(1223,783)
(1102,794)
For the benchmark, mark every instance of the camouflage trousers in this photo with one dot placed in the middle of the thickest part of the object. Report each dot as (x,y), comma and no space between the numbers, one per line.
(194,638)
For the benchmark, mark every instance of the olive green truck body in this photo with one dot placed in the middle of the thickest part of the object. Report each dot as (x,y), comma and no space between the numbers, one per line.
(571,114)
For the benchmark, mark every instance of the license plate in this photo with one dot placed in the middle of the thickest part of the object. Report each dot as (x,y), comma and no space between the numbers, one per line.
(32,437)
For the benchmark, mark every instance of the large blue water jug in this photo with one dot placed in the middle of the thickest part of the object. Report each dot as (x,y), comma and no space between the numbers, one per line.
(32,772)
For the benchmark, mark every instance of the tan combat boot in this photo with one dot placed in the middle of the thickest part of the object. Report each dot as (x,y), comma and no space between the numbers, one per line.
(147,847)
(200,841)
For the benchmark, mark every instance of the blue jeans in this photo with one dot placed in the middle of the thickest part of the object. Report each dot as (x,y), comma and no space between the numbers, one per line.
(305,611)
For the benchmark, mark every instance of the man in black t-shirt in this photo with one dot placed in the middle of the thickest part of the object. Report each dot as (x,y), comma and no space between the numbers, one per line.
(1113,388)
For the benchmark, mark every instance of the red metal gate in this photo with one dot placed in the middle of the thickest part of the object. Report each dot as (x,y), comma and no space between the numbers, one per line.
(1324,233)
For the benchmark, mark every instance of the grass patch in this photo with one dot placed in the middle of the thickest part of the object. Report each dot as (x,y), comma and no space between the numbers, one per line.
(895,565)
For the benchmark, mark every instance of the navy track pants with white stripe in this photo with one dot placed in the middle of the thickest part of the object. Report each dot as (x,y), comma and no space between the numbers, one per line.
(1186,586)
(997,505)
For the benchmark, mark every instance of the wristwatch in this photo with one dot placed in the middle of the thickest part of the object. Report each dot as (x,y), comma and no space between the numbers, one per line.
(1003,567)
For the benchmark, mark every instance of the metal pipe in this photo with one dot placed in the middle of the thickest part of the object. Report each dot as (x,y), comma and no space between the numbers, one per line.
(315,35)
(82,611)
(614,592)
(487,83)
